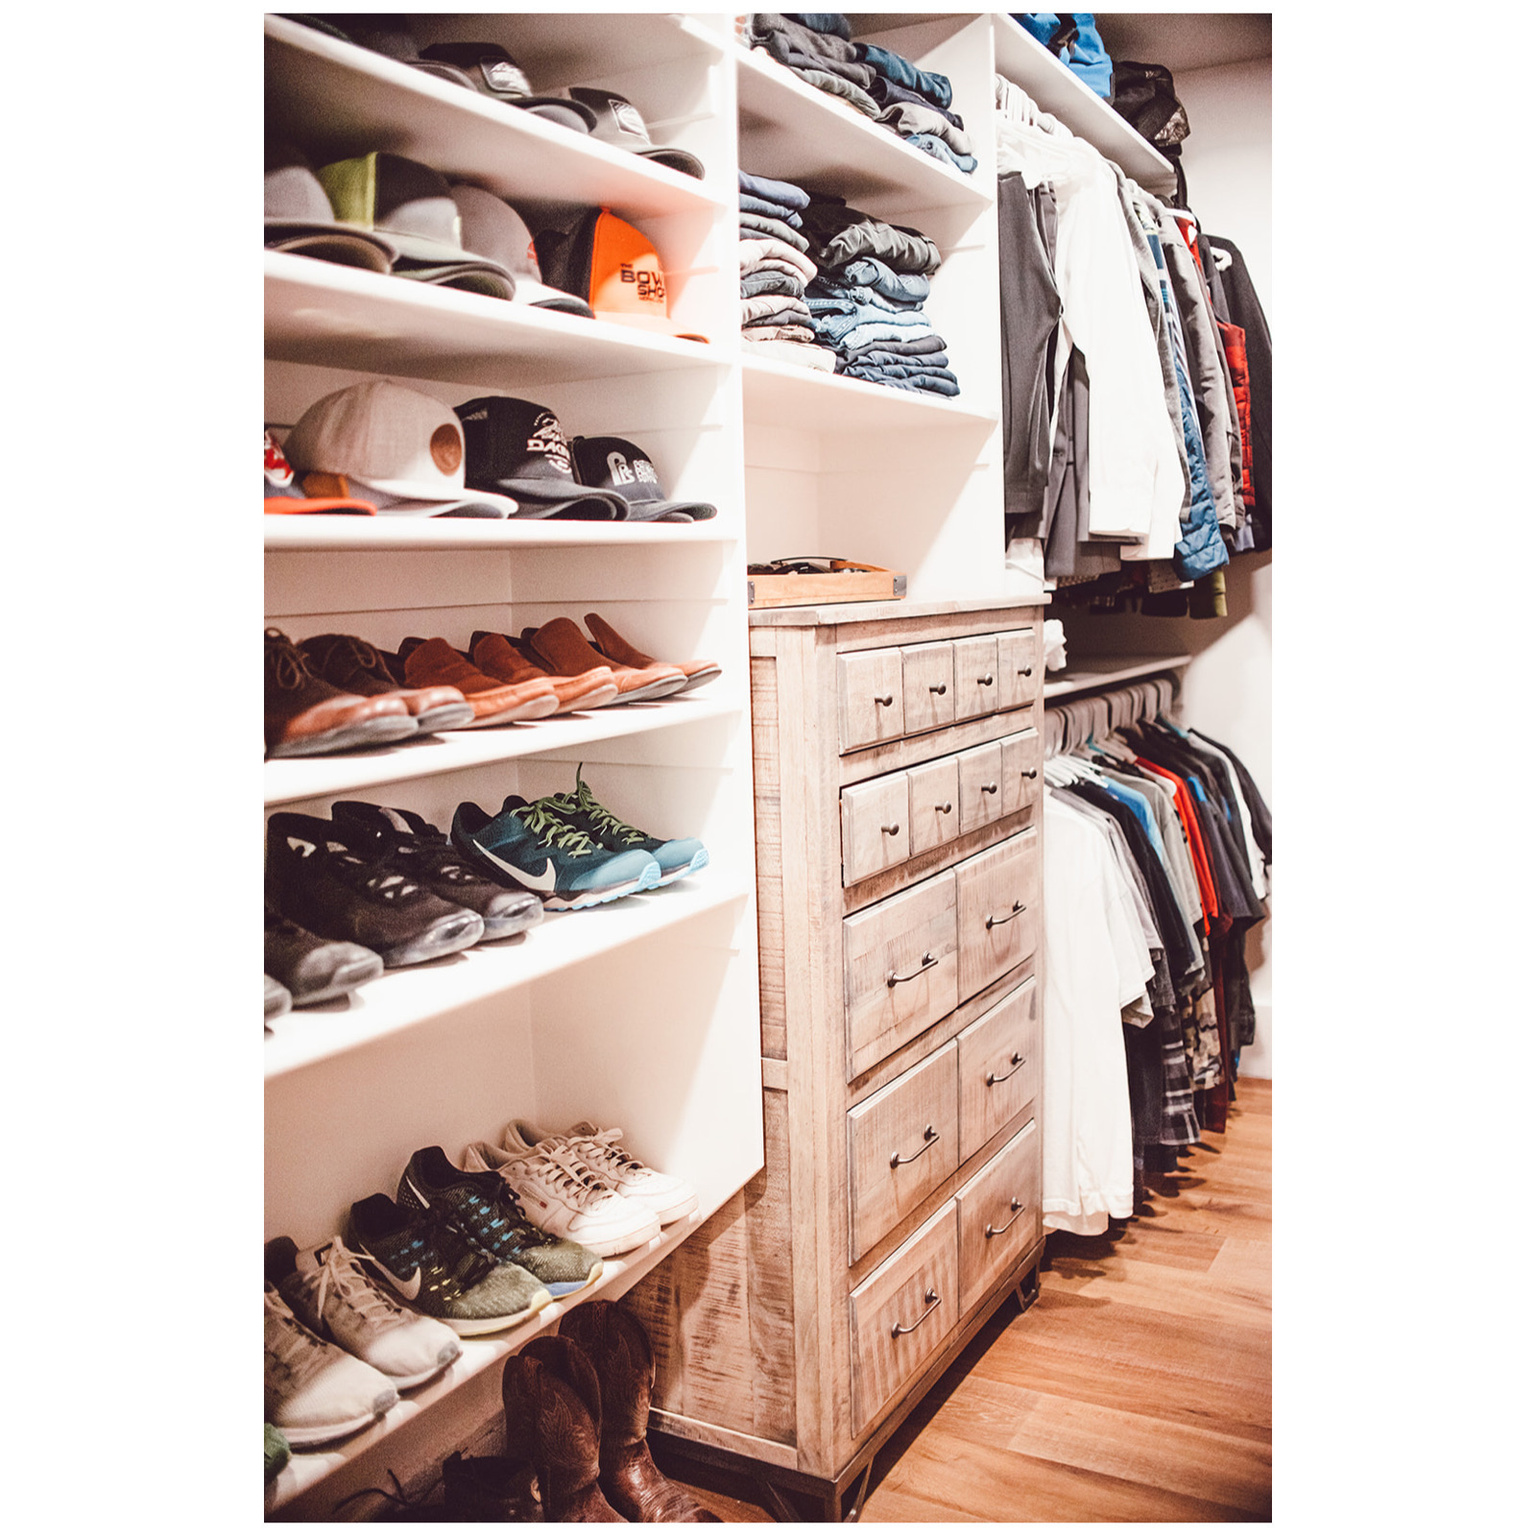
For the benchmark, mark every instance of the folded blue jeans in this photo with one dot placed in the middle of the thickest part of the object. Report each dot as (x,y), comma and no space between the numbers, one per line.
(871,272)
(904,72)
(765,187)
(751,204)
(932,144)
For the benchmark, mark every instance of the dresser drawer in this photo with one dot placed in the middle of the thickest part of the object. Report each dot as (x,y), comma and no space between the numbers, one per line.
(927,686)
(999,1214)
(869,698)
(1021,770)
(999,1067)
(981,785)
(997,911)
(1018,667)
(875,831)
(975,676)
(902,1143)
(900,970)
(933,803)
(901,1314)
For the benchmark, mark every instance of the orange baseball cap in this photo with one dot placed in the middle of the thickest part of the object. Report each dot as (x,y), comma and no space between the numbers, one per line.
(614,268)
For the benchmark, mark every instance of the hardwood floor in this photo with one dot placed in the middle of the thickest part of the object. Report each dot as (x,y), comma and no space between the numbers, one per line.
(1136,1388)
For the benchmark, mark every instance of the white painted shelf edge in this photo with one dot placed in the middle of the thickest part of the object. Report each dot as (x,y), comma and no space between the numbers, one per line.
(1101,672)
(339,531)
(779,394)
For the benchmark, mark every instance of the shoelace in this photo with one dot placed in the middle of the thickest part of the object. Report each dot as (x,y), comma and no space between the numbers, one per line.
(569,1176)
(604,1151)
(606,819)
(553,832)
(286,667)
(462,1262)
(292,1347)
(341,1271)
(387,884)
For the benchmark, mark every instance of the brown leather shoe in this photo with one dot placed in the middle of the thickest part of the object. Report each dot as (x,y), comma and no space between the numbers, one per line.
(610,643)
(307,716)
(563,647)
(620,1351)
(500,656)
(349,662)
(428,662)
(554,1410)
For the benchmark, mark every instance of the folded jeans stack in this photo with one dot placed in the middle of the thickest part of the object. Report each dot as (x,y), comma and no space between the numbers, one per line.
(775,269)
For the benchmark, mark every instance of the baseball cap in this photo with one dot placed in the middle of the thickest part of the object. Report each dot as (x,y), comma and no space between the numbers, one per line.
(491,70)
(616,120)
(495,230)
(517,447)
(281,494)
(613,267)
(611,463)
(398,447)
(414,208)
(297,215)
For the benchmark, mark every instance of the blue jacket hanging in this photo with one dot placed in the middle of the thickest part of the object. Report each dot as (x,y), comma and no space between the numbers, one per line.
(1074,39)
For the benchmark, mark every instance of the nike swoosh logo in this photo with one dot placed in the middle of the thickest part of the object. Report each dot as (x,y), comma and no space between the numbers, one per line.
(407,1288)
(543,881)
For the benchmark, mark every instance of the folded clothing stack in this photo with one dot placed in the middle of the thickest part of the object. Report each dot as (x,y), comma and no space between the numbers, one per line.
(775,267)
(867,298)
(910,102)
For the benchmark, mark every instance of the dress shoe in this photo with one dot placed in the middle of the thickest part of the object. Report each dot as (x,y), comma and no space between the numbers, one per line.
(307,716)
(562,646)
(610,643)
(350,662)
(425,662)
(500,656)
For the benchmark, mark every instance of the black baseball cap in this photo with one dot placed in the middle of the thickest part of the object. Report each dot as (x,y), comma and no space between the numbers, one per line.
(612,464)
(492,71)
(616,120)
(516,448)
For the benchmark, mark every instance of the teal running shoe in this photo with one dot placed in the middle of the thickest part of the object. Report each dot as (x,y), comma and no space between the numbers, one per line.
(675,857)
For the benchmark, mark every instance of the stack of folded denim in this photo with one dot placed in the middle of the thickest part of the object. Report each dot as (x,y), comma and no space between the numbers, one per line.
(775,268)
(910,102)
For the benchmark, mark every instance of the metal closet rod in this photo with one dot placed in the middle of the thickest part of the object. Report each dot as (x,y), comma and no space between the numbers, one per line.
(1070,723)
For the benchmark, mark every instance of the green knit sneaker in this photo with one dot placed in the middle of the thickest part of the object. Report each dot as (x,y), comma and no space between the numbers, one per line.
(277,1452)
(675,857)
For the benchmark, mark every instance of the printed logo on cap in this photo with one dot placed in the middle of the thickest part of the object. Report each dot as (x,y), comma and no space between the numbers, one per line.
(627,118)
(549,441)
(503,75)
(447,448)
(623,472)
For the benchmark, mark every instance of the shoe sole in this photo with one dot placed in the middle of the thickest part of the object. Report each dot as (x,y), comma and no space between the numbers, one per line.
(446,717)
(662,690)
(378,732)
(696,678)
(506,927)
(698,862)
(468,1327)
(300,1439)
(452,935)
(667,1214)
(570,1287)
(347,979)
(405,1383)
(597,698)
(529,709)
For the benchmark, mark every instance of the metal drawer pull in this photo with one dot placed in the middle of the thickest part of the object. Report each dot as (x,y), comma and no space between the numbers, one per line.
(1029,773)
(984,682)
(1026,671)
(946,808)
(989,789)
(931,1138)
(1016,1208)
(892,979)
(938,688)
(885,698)
(1015,1063)
(892,830)
(994,922)
(931,1296)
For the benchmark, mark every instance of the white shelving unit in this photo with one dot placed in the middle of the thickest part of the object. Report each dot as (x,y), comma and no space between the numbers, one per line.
(1106,672)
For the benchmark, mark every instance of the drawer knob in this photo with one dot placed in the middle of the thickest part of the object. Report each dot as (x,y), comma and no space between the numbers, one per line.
(885,698)
(996,922)
(892,830)
(893,980)
(1016,1208)
(984,682)
(989,789)
(1026,671)
(1030,773)
(931,1296)
(931,1138)
(1015,1062)
(938,688)
(946,808)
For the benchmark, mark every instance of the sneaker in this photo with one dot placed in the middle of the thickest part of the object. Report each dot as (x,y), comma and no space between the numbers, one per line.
(563,1197)
(600,1153)
(509,659)
(432,1262)
(423,663)
(529,845)
(675,857)
(278,1000)
(561,645)
(314,1391)
(334,1296)
(315,970)
(278,1452)
(607,641)
(318,879)
(415,847)
(307,716)
(349,662)
(487,1208)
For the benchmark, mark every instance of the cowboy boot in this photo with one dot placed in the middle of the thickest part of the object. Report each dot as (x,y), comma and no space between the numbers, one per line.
(486,1488)
(620,1350)
(553,1415)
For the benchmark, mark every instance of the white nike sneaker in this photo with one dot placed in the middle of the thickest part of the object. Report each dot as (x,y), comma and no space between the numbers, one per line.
(601,1155)
(314,1391)
(560,1196)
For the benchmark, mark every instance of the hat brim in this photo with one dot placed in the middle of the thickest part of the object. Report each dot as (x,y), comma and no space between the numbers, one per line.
(395,498)
(328,242)
(569,114)
(541,296)
(474,276)
(653,323)
(536,499)
(678,159)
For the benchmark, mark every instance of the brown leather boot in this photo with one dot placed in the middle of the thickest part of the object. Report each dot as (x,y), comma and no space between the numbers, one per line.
(490,1488)
(555,1424)
(620,1350)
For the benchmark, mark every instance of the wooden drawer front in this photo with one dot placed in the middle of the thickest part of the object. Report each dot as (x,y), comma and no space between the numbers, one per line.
(933,803)
(981,786)
(1021,770)
(900,970)
(875,832)
(975,676)
(999,1067)
(869,705)
(997,910)
(902,1142)
(902,1313)
(1003,1200)
(1018,668)
(927,686)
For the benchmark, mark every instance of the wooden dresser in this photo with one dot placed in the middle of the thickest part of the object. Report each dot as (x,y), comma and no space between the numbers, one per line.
(896,758)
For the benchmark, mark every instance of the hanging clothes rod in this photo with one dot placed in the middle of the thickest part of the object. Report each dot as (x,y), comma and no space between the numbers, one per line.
(1069,724)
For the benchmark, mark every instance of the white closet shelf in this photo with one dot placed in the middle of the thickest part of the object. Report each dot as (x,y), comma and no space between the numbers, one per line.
(1102,671)
(311,778)
(313,1481)
(344,317)
(779,394)
(415,995)
(794,132)
(1054,88)
(340,100)
(339,531)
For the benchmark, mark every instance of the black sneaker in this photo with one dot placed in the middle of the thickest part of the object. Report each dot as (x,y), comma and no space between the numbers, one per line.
(315,970)
(414,846)
(336,884)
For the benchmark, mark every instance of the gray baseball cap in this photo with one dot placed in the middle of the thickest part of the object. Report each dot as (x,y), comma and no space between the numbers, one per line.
(618,122)
(495,230)
(298,216)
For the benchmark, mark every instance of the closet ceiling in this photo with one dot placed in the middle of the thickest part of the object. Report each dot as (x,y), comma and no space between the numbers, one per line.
(1194,40)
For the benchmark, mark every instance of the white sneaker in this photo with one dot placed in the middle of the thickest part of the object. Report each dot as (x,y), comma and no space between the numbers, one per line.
(331,1293)
(601,1155)
(562,1197)
(314,1391)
